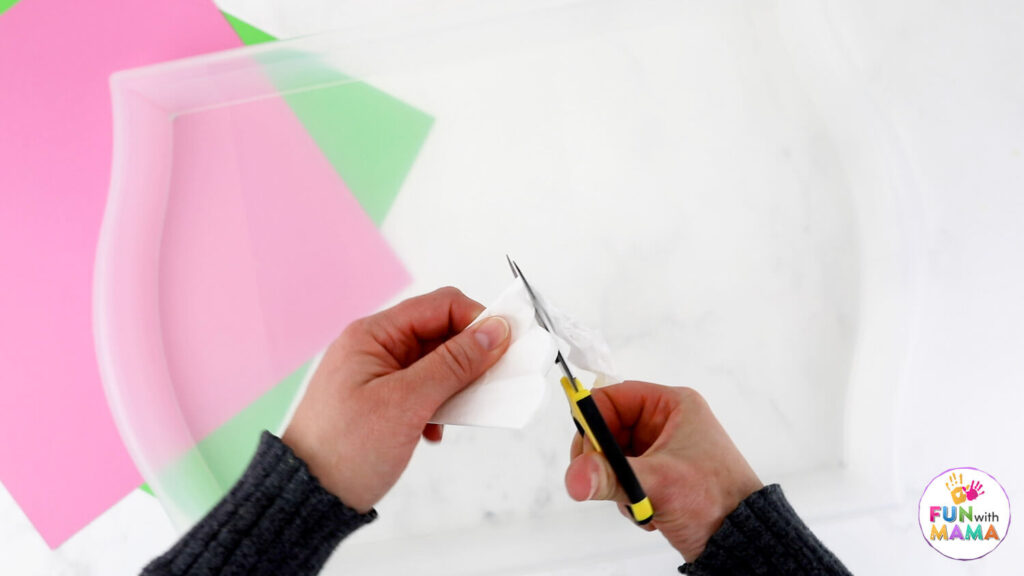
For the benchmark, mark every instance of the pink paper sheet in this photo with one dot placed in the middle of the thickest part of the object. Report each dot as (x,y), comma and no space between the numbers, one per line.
(62,458)
(266,255)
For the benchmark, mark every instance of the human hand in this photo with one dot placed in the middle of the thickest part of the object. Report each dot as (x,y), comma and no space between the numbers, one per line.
(956,489)
(972,492)
(686,463)
(378,385)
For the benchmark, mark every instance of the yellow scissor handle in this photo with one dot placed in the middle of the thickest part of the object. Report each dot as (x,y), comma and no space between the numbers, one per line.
(575,394)
(591,424)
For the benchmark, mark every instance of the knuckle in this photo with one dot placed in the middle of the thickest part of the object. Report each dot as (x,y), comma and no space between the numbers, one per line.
(357,328)
(457,359)
(352,334)
(449,293)
(368,329)
(689,396)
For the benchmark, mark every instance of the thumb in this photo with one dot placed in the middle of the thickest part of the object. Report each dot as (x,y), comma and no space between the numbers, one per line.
(457,362)
(590,477)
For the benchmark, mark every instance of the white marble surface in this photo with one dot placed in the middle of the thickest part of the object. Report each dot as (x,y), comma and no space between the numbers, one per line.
(722,248)
(706,230)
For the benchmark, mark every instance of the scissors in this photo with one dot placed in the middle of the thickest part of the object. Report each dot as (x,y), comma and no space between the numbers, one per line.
(588,419)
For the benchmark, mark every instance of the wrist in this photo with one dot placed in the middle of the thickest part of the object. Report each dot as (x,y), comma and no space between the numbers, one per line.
(707,507)
(332,475)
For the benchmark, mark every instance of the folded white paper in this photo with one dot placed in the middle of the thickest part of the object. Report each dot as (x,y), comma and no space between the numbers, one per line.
(583,348)
(508,394)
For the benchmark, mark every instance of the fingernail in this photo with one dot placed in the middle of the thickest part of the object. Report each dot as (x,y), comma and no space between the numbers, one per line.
(492,332)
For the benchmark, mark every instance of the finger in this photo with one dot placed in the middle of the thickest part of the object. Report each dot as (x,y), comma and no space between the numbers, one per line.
(428,346)
(589,477)
(452,366)
(637,412)
(433,432)
(624,510)
(404,329)
(579,445)
(576,448)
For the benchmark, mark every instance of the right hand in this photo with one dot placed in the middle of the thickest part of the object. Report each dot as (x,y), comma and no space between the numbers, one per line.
(689,468)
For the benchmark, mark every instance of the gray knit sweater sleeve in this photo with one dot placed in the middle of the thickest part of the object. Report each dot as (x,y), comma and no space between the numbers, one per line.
(277,519)
(764,535)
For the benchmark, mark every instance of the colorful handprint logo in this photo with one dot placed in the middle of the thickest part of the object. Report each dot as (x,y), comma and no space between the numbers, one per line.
(961,493)
(956,489)
(972,492)
(956,521)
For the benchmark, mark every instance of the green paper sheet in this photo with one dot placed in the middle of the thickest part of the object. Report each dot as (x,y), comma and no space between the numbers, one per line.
(228,450)
(5,5)
(201,477)
(246,32)
(370,138)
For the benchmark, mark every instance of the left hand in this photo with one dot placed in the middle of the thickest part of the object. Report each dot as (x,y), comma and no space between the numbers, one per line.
(379,384)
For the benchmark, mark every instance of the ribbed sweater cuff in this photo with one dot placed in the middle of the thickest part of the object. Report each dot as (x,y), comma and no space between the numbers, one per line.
(277,519)
(764,535)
